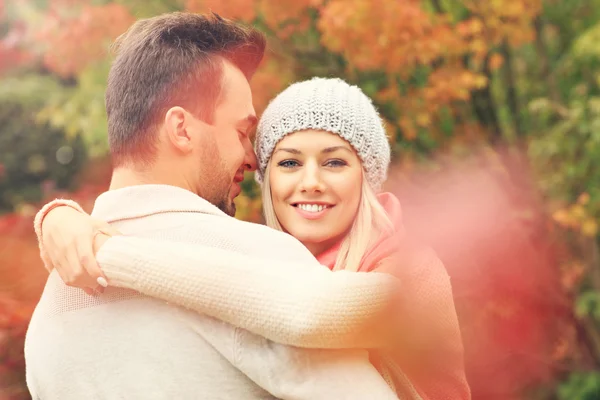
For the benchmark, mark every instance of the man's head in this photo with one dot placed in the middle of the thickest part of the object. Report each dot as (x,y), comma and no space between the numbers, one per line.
(179,103)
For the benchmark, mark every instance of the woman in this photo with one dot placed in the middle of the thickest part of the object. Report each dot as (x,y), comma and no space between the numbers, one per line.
(323,154)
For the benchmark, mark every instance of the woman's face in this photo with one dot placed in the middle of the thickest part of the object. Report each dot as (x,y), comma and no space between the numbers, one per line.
(316,179)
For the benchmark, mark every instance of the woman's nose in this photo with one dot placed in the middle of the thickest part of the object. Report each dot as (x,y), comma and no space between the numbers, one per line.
(311,179)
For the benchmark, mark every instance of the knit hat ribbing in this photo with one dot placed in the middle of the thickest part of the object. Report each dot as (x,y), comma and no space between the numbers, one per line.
(332,105)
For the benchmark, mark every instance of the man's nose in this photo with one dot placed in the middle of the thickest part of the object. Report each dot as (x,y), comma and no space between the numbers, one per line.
(250,161)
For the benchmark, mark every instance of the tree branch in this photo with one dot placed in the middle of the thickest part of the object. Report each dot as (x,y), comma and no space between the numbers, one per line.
(484,106)
(437,6)
(511,89)
(544,61)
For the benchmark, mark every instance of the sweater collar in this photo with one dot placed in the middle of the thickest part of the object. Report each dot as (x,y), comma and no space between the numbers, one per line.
(144,200)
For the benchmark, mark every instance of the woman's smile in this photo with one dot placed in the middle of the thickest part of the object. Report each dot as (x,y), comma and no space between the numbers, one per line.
(312,210)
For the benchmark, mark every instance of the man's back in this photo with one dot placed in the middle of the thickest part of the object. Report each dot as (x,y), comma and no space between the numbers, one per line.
(122,344)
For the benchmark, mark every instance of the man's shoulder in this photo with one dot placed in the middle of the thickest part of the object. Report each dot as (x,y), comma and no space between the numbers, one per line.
(228,232)
(259,232)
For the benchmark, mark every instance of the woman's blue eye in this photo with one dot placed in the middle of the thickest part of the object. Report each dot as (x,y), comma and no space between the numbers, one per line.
(288,164)
(336,163)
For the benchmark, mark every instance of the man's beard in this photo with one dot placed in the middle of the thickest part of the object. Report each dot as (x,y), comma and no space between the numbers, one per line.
(218,198)
(214,172)
(227,206)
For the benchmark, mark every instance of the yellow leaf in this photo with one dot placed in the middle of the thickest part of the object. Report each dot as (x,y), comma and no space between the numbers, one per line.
(476,26)
(577,211)
(589,227)
(496,61)
(423,120)
(481,81)
(583,199)
(561,217)
(408,130)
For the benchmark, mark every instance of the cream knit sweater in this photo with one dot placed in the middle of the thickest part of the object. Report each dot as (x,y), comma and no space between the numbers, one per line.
(125,345)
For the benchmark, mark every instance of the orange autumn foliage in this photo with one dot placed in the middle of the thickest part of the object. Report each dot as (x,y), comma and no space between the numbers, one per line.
(505,20)
(401,38)
(76,36)
(241,10)
(12,53)
(272,76)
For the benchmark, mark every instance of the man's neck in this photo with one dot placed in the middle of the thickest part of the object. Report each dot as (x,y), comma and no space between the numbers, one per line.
(125,176)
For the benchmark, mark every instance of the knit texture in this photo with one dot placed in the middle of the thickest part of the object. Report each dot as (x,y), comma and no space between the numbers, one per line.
(188,252)
(332,105)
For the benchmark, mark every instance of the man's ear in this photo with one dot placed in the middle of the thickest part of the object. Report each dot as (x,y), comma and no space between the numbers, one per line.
(178,129)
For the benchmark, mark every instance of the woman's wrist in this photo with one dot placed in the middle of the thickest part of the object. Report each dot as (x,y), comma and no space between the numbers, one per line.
(39,220)
(43,213)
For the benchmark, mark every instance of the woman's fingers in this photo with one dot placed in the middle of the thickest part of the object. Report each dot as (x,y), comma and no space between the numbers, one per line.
(87,258)
(78,276)
(90,265)
(70,247)
(51,252)
(71,259)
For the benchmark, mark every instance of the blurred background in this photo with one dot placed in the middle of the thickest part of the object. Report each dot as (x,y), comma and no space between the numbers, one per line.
(493,111)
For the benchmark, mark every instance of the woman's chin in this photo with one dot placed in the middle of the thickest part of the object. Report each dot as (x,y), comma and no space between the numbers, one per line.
(316,243)
(310,235)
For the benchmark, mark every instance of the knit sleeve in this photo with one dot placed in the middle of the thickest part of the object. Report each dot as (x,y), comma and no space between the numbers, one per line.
(290,303)
(428,350)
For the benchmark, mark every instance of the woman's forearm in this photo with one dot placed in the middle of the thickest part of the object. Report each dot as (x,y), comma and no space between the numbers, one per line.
(295,304)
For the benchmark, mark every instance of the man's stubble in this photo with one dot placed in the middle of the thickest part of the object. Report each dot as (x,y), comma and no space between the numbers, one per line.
(216,179)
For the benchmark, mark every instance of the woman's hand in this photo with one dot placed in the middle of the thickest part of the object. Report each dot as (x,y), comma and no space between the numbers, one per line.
(71,240)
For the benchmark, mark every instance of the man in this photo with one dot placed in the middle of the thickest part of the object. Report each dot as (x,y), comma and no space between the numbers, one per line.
(179,116)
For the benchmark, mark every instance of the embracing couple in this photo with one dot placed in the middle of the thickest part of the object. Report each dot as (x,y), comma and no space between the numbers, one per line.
(181,301)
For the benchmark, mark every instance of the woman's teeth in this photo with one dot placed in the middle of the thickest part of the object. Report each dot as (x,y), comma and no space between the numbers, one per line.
(312,207)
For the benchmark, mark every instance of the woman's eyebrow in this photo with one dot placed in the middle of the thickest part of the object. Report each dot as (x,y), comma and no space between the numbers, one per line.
(325,150)
(335,148)
(289,150)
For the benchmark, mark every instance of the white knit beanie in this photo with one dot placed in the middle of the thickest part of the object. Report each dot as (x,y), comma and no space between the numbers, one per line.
(332,105)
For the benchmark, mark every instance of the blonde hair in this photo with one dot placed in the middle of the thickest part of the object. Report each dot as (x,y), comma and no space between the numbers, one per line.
(370,223)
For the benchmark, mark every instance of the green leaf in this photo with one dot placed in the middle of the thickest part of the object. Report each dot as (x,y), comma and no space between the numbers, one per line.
(588,304)
(580,386)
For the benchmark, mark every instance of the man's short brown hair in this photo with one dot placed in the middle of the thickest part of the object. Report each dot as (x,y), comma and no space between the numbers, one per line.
(171,60)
